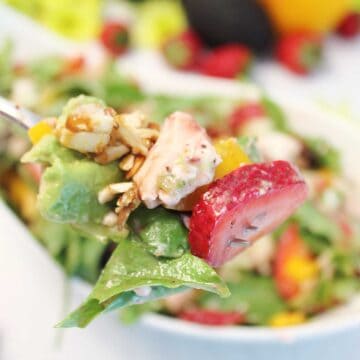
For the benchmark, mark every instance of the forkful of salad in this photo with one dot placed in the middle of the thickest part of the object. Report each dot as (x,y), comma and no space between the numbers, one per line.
(176,203)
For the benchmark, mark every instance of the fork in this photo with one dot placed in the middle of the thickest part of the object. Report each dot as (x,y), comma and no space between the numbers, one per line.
(16,114)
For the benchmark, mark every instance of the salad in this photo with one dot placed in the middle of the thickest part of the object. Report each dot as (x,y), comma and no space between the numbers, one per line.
(87,196)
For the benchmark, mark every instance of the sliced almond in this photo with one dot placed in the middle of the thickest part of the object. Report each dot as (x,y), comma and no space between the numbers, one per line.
(139,160)
(148,133)
(127,162)
(112,153)
(108,193)
(110,219)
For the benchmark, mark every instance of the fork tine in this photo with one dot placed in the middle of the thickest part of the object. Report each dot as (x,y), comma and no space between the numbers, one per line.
(15,114)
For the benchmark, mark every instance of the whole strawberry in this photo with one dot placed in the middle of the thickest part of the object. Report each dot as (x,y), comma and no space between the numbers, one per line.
(300,52)
(183,51)
(228,61)
(115,37)
(349,27)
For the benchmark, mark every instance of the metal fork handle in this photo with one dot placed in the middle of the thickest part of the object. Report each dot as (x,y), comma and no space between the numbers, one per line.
(15,114)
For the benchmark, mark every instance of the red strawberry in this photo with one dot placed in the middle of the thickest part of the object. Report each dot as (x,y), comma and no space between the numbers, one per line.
(242,206)
(183,51)
(212,317)
(300,52)
(244,113)
(350,25)
(228,61)
(115,37)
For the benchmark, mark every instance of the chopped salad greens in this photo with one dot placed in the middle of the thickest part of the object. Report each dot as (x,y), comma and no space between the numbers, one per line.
(147,239)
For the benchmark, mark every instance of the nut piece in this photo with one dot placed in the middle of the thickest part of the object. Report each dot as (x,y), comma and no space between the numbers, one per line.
(127,162)
(126,203)
(110,219)
(139,160)
(133,130)
(111,153)
(108,193)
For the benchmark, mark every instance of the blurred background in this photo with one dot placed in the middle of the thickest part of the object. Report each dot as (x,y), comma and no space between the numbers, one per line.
(216,59)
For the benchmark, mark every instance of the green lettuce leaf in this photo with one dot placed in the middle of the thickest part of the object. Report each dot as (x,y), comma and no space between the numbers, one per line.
(316,223)
(80,254)
(131,266)
(254,295)
(161,230)
(275,114)
(323,154)
(248,144)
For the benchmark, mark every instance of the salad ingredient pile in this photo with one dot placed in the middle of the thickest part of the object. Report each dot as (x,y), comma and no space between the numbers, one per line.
(308,265)
(116,174)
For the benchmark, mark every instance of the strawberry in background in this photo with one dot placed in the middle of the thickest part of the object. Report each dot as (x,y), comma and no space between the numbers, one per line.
(349,26)
(115,37)
(227,61)
(183,51)
(300,52)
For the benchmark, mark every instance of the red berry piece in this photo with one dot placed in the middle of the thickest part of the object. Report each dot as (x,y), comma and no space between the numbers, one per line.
(244,113)
(228,61)
(300,52)
(213,317)
(243,206)
(349,27)
(115,38)
(183,51)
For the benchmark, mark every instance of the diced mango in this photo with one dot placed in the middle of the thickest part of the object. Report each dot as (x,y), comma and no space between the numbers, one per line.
(287,318)
(301,268)
(232,156)
(39,130)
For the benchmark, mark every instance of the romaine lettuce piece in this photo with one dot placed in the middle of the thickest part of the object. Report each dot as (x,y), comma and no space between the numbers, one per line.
(130,267)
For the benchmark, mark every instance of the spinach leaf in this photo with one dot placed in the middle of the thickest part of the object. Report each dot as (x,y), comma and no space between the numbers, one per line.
(313,221)
(131,267)
(254,295)
(161,231)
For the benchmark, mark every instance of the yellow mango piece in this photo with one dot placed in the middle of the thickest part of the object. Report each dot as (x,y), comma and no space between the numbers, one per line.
(39,130)
(301,269)
(232,156)
(319,15)
(287,318)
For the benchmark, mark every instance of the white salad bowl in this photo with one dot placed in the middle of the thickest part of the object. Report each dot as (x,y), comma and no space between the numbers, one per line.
(334,335)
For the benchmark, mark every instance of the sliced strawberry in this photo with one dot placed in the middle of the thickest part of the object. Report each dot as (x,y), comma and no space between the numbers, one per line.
(293,263)
(243,206)
(244,113)
(212,317)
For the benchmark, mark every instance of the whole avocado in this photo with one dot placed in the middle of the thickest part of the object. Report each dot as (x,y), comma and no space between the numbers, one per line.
(225,21)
